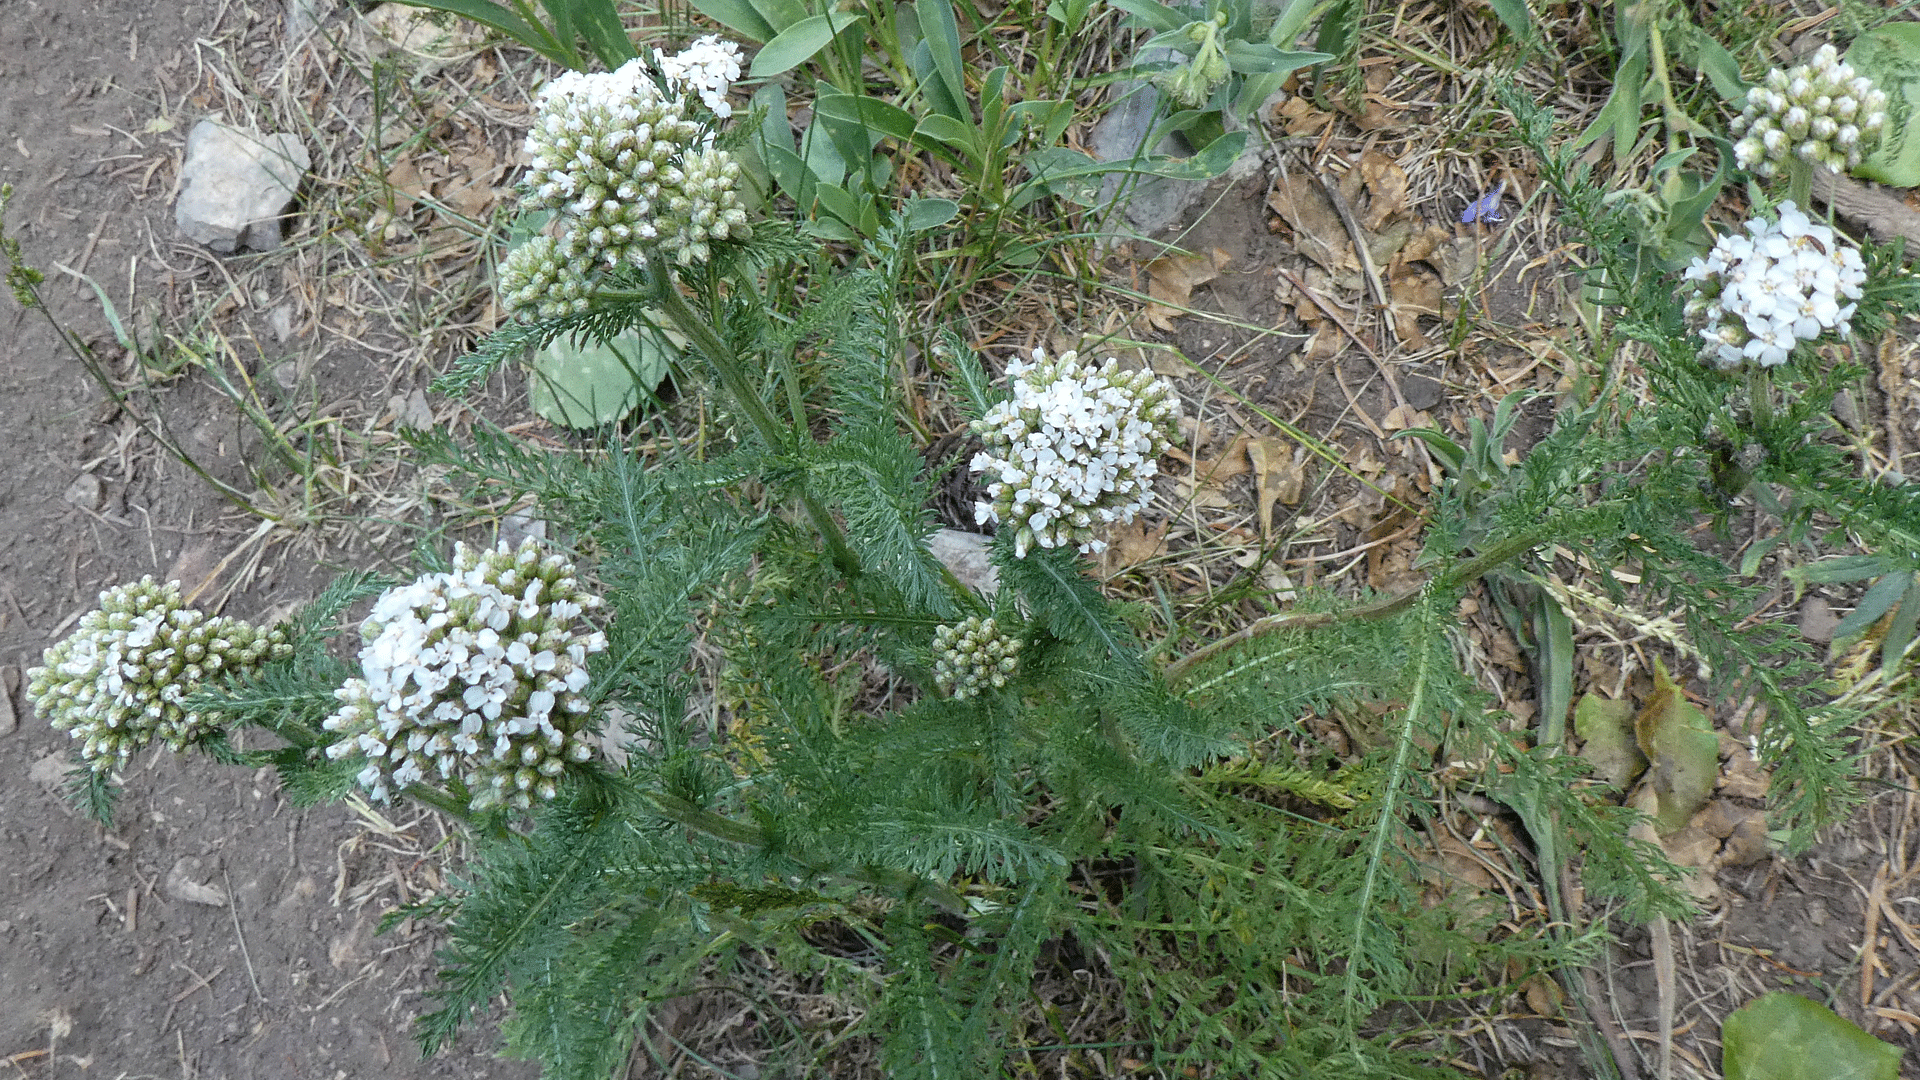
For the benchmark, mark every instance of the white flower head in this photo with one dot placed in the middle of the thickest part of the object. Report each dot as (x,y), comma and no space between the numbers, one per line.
(1754,297)
(117,682)
(708,67)
(442,701)
(1074,448)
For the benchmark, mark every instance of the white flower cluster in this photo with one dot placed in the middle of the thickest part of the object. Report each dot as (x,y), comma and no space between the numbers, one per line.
(633,178)
(473,676)
(117,682)
(1759,295)
(707,67)
(972,655)
(1075,447)
(1820,111)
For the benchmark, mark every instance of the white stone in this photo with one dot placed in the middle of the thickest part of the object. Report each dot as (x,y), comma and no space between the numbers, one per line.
(235,186)
(967,555)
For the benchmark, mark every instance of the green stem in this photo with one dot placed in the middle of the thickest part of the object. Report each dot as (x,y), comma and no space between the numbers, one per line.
(733,376)
(1800,182)
(1760,395)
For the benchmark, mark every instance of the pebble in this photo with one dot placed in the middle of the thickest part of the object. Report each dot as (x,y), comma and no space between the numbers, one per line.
(235,186)
(183,884)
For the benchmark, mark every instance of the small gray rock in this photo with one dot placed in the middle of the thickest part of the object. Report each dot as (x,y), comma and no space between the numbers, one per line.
(966,555)
(183,884)
(1817,620)
(86,492)
(235,186)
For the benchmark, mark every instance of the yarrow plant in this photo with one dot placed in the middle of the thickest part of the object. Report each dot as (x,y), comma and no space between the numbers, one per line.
(1075,447)
(1820,112)
(119,680)
(973,655)
(472,679)
(707,67)
(1755,297)
(631,173)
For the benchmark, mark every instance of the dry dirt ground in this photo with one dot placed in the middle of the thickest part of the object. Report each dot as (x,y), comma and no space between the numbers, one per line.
(106,969)
(110,968)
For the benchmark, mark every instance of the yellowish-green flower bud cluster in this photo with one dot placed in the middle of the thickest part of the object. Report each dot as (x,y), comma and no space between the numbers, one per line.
(541,280)
(1821,112)
(973,655)
(473,677)
(117,682)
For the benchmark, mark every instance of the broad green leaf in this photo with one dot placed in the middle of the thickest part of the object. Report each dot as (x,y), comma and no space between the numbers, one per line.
(1784,1036)
(946,131)
(942,42)
(1605,727)
(1900,628)
(1286,30)
(922,214)
(1152,15)
(499,18)
(1877,602)
(1713,60)
(1517,18)
(599,23)
(1890,56)
(1842,569)
(1683,753)
(835,200)
(1248,58)
(739,17)
(584,384)
(800,42)
(875,115)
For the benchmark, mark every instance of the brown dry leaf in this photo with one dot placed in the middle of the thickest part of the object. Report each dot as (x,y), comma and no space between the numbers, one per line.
(1743,778)
(1232,462)
(1544,996)
(1317,231)
(1132,544)
(474,196)
(407,184)
(1172,279)
(1202,494)
(1386,185)
(1402,417)
(1456,259)
(1298,116)
(1278,476)
(1414,292)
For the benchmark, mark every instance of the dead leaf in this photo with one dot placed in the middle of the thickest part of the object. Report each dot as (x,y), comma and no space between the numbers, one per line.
(1232,462)
(1298,116)
(407,184)
(1544,996)
(1172,279)
(1317,231)
(1278,476)
(1402,417)
(1456,259)
(1201,493)
(1605,727)
(1132,544)
(1743,777)
(1683,754)
(1386,188)
(1413,292)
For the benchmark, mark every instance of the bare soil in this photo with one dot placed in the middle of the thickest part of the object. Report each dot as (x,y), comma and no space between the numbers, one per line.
(107,967)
